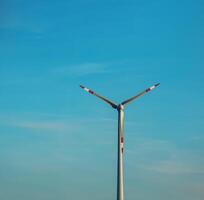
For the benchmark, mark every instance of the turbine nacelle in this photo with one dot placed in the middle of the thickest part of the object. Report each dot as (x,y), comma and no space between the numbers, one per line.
(120,107)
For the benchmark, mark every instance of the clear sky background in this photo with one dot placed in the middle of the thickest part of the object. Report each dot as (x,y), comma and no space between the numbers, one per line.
(57,142)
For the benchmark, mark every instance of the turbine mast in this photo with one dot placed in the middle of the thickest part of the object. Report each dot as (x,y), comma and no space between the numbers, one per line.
(120,190)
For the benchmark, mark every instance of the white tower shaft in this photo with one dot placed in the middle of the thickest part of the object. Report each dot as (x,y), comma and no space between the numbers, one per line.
(120,190)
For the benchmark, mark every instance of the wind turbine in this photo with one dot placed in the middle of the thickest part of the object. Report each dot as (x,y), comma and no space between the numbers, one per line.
(120,109)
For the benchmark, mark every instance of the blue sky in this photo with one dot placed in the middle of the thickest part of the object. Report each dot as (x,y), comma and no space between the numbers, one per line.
(57,142)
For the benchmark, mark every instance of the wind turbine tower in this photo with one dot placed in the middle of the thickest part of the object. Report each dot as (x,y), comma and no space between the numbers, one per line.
(120,109)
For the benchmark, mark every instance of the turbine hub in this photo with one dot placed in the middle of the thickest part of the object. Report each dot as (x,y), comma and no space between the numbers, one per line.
(120,107)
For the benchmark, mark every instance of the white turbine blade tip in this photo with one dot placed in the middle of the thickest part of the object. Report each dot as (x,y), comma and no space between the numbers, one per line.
(151,88)
(86,89)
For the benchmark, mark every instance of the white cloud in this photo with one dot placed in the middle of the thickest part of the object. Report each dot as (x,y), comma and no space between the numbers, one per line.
(175,167)
(44,123)
(51,122)
(165,157)
(83,69)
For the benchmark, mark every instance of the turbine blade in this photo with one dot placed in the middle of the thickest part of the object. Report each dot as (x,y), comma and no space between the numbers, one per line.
(102,98)
(140,94)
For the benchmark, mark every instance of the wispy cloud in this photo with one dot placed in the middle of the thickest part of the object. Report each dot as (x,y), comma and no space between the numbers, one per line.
(54,74)
(83,69)
(176,167)
(51,122)
(88,68)
(48,76)
(44,123)
(18,22)
(165,157)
